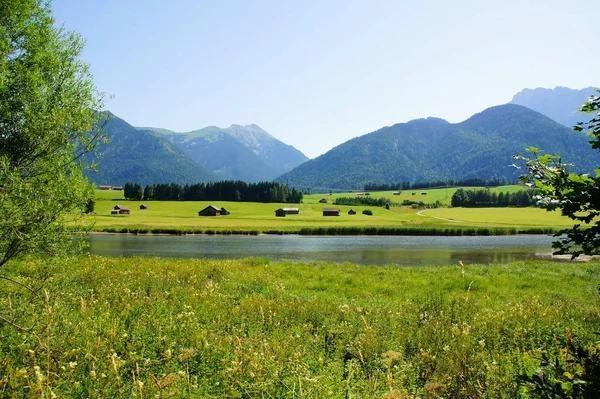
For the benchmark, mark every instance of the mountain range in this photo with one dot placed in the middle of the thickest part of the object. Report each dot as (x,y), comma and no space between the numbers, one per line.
(238,152)
(141,156)
(420,150)
(560,104)
(433,149)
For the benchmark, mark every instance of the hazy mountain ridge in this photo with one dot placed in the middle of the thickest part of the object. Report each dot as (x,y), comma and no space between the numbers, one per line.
(560,104)
(433,149)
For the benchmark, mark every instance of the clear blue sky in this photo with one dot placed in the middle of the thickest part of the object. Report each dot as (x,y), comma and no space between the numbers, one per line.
(316,73)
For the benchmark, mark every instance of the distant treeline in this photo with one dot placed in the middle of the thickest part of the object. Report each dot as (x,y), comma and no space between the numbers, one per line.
(368,201)
(486,198)
(216,191)
(440,183)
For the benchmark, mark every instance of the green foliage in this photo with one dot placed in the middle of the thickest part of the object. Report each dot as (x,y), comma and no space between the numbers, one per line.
(486,198)
(569,370)
(48,122)
(133,191)
(237,191)
(576,195)
(367,212)
(367,201)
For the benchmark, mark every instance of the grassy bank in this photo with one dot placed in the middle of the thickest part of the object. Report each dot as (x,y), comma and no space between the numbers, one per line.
(257,329)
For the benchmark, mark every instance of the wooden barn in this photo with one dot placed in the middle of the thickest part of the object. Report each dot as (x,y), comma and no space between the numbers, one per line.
(331,211)
(117,188)
(143,206)
(210,210)
(104,187)
(225,212)
(281,212)
(352,212)
(120,210)
(323,200)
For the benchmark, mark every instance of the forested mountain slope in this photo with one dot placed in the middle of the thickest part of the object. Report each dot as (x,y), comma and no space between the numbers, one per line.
(143,157)
(245,153)
(433,149)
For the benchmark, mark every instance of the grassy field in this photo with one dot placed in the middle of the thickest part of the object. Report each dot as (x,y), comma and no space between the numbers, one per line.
(259,217)
(150,328)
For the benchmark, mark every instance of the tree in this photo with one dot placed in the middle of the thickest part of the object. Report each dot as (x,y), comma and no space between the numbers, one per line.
(576,195)
(49,120)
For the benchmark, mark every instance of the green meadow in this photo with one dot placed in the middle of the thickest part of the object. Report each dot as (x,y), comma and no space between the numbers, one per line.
(156,328)
(246,217)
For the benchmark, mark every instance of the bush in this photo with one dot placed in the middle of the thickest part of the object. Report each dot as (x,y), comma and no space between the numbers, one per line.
(367,212)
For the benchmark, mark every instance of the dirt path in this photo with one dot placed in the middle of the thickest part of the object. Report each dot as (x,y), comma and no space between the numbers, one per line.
(420,213)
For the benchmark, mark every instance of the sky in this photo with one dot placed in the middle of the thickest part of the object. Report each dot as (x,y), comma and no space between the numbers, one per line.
(316,73)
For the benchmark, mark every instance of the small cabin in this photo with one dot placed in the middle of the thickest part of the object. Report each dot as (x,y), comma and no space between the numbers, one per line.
(323,200)
(352,212)
(117,188)
(281,212)
(143,206)
(225,212)
(210,210)
(104,187)
(331,212)
(396,193)
(423,193)
(120,210)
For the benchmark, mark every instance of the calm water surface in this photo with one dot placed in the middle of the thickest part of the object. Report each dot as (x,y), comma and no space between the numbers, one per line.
(357,249)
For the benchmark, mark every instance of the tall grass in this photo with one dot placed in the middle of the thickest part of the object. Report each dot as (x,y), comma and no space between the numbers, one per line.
(146,328)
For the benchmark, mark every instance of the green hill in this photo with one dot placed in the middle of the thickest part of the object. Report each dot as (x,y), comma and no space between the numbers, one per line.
(433,149)
(143,157)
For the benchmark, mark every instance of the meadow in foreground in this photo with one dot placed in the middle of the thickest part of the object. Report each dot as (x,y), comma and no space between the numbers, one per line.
(137,327)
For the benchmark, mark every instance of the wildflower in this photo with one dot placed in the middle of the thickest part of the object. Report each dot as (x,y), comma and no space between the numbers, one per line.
(72,364)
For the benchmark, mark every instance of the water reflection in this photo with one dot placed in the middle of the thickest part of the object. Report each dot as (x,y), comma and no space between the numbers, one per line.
(362,249)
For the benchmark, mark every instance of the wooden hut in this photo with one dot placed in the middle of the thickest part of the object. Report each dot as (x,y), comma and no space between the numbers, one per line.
(120,210)
(331,211)
(281,212)
(210,210)
(352,212)
(143,206)
(323,200)
(225,212)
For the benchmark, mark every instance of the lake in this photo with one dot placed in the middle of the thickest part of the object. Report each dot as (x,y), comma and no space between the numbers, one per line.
(404,250)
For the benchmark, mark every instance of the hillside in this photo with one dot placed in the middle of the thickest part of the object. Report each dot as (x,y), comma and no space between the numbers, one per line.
(434,149)
(143,157)
(237,153)
(560,104)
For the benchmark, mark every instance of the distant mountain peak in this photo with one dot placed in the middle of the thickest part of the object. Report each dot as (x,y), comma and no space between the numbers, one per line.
(560,103)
